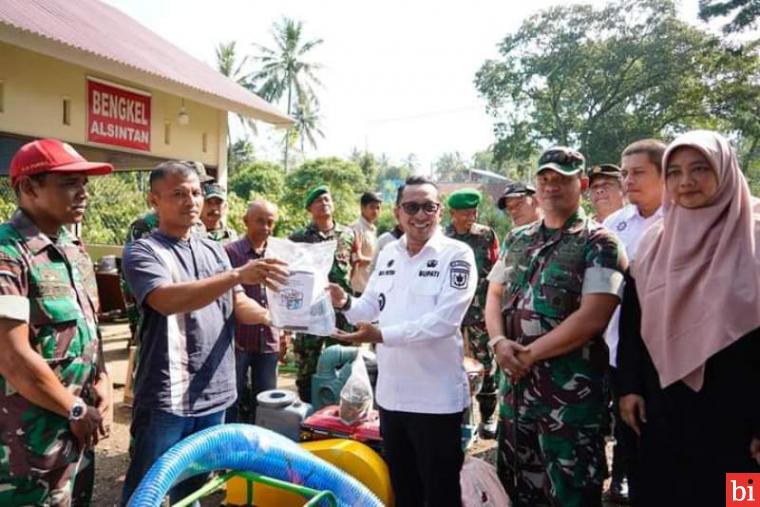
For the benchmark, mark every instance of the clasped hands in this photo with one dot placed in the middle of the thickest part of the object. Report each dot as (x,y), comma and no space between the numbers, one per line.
(514,358)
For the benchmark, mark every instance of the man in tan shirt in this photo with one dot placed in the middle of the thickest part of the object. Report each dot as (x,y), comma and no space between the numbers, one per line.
(366,236)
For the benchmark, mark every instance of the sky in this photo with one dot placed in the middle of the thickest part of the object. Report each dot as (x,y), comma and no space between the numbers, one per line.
(397,74)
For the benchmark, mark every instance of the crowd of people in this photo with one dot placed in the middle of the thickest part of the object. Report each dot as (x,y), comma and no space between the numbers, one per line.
(640,320)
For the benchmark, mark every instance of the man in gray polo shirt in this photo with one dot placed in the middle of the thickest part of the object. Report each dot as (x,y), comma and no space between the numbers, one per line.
(189,297)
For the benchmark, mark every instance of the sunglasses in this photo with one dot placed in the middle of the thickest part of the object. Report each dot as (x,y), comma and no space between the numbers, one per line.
(561,156)
(429,207)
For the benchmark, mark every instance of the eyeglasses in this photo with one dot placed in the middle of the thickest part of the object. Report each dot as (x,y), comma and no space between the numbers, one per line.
(429,207)
(561,156)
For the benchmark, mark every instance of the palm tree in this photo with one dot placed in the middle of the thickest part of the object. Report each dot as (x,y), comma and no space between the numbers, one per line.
(228,64)
(284,69)
(307,123)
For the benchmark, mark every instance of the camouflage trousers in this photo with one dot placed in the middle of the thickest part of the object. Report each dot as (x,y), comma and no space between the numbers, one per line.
(307,349)
(62,487)
(477,340)
(544,463)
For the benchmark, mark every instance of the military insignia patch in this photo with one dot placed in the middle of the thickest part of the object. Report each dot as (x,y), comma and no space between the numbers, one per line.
(459,274)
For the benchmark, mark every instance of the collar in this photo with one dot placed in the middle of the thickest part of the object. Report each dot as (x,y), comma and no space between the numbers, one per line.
(34,238)
(325,234)
(451,231)
(435,242)
(366,223)
(251,249)
(573,225)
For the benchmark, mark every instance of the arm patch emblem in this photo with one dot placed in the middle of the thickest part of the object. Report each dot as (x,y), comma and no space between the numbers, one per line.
(459,274)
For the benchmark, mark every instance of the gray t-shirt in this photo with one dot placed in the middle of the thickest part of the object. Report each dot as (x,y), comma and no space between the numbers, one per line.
(186,364)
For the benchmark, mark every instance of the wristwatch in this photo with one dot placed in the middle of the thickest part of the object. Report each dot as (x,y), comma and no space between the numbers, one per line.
(496,339)
(347,305)
(78,409)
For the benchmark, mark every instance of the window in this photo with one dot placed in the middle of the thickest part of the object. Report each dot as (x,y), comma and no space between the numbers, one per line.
(205,142)
(66,111)
(167,132)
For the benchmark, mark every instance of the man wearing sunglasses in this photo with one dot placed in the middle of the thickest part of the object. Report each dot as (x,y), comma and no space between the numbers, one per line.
(463,207)
(605,190)
(419,293)
(551,295)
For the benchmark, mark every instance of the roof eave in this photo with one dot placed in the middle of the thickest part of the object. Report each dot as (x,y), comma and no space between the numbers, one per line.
(117,70)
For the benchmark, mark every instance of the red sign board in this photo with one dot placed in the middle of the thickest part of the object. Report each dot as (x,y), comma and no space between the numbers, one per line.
(740,489)
(118,116)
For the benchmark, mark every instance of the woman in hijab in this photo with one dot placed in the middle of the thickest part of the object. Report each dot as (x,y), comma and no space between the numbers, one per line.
(689,354)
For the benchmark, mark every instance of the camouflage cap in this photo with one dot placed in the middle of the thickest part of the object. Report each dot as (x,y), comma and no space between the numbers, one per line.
(561,159)
(609,170)
(214,190)
(314,193)
(203,176)
(464,198)
(516,189)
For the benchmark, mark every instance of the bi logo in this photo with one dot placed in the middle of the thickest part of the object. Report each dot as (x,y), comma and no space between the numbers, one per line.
(740,490)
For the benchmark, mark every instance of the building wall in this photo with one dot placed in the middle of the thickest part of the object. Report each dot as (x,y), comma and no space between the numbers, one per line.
(33,88)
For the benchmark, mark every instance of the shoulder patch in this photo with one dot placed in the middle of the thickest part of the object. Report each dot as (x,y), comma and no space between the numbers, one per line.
(459,274)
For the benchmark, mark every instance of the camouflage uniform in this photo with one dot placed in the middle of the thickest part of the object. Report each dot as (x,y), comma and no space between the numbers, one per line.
(561,403)
(223,235)
(485,245)
(40,460)
(309,347)
(140,228)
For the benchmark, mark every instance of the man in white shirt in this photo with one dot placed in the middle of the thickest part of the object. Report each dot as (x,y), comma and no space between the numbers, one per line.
(365,232)
(418,293)
(642,182)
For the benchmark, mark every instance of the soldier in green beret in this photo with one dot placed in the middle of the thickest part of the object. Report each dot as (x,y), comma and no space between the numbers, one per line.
(323,227)
(463,206)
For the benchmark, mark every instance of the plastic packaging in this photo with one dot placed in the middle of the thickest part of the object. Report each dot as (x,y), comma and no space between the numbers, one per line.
(481,486)
(303,304)
(356,395)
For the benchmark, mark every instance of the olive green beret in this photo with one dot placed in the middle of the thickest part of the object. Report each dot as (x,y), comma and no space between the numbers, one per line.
(314,193)
(464,198)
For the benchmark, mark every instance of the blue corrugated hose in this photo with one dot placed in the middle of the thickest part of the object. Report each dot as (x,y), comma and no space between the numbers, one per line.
(250,448)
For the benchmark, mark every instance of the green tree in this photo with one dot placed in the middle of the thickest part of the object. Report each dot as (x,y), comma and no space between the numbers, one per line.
(450,167)
(227,63)
(368,164)
(307,123)
(284,70)
(743,13)
(240,154)
(598,79)
(259,178)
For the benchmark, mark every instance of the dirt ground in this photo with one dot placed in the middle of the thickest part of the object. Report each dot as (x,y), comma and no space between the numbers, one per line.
(111,454)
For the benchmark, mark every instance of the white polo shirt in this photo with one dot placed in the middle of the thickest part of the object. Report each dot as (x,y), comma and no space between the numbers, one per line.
(420,302)
(629,226)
